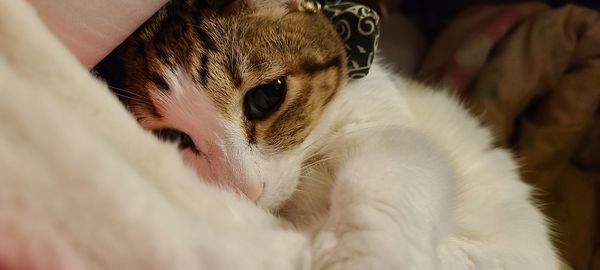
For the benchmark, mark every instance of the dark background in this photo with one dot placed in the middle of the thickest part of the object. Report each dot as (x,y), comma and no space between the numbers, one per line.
(432,15)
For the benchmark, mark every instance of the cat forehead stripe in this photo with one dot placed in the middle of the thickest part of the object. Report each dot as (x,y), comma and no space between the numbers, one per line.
(311,66)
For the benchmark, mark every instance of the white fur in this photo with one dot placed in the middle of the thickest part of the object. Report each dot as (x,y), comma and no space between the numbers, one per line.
(421,186)
(227,159)
(417,184)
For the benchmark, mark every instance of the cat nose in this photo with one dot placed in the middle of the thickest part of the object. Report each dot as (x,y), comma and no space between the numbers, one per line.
(254,190)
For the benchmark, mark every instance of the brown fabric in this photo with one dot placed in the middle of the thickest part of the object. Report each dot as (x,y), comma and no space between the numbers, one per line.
(596,262)
(533,75)
(383,7)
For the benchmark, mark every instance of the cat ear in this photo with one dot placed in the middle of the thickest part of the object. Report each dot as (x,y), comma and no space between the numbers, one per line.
(259,5)
(263,7)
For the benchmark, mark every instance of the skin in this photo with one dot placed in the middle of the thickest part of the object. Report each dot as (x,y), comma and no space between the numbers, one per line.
(91,29)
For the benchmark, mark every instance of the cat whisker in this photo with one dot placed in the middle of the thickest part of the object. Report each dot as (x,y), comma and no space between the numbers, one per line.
(317,162)
(139,101)
(334,138)
(314,181)
(129,96)
(122,90)
(132,96)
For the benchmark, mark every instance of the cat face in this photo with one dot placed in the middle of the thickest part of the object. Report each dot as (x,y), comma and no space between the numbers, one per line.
(239,89)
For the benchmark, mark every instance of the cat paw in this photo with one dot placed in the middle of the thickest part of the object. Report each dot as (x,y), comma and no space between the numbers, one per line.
(348,251)
(359,246)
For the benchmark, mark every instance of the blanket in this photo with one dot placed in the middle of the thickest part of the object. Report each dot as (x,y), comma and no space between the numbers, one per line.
(75,164)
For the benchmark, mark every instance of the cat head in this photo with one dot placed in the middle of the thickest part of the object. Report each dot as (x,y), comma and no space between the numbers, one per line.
(238,86)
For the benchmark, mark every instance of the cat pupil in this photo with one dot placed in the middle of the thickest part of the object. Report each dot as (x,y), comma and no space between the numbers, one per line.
(264,100)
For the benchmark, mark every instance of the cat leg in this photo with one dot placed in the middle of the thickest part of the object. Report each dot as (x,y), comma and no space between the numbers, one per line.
(462,253)
(390,203)
(518,240)
(496,225)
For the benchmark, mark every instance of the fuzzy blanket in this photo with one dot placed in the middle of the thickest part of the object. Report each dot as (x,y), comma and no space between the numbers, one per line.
(82,184)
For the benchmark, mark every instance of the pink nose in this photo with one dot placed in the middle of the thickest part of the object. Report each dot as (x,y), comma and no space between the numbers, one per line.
(220,173)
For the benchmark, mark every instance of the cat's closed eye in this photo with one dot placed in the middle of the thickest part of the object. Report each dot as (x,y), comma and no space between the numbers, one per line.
(264,100)
(184,141)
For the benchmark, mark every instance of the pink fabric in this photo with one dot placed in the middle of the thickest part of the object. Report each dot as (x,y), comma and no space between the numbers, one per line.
(91,29)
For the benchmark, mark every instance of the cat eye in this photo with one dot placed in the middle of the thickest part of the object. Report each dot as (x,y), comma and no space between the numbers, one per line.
(264,100)
(183,141)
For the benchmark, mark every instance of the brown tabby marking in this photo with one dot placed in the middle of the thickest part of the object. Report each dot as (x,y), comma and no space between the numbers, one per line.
(227,54)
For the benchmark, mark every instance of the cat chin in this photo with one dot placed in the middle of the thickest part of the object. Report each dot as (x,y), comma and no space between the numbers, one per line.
(281,173)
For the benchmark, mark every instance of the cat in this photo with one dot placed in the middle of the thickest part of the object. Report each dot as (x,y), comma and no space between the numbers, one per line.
(380,173)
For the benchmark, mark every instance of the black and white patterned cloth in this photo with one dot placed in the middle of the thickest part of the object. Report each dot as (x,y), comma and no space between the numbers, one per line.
(358,25)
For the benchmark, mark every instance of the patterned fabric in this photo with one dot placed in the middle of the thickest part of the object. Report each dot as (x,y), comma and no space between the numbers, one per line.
(358,25)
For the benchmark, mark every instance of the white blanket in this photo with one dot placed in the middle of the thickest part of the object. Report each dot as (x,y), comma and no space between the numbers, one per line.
(83,187)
